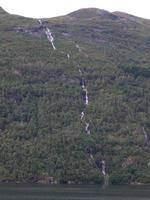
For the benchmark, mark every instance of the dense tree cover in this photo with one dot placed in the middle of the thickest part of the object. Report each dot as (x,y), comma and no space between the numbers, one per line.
(41,135)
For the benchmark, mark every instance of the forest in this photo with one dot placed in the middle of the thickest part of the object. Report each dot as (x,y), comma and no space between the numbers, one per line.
(42,138)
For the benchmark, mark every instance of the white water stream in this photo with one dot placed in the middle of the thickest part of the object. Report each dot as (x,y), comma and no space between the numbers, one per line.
(79,48)
(86,101)
(48,34)
(87,128)
(40,22)
(91,159)
(81,115)
(145,135)
(103,167)
(50,37)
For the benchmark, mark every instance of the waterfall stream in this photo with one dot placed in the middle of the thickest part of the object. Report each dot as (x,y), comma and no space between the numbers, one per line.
(82,83)
(86,96)
(81,115)
(79,48)
(89,153)
(145,135)
(91,159)
(103,167)
(87,128)
(80,71)
(40,22)
(50,37)
(48,34)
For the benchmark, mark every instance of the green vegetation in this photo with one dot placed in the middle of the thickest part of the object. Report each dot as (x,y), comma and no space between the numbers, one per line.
(41,135)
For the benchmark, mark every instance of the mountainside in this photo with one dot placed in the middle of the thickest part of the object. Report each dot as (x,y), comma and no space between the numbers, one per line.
(75,98)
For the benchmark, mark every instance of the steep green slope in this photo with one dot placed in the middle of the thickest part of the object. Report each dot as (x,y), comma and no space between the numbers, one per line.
(42,137)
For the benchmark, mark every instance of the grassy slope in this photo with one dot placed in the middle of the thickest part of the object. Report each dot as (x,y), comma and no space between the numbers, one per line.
(41,132)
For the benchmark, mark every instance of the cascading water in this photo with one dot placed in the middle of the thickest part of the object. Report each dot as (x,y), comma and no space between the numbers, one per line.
(87,128)
(80,71)
(40,22)
(103,167)
(91,159)
(82,83)
(145,136)
(86,96)
(50,37)
(81,115)
(79,48)
(48,34)
(86,102)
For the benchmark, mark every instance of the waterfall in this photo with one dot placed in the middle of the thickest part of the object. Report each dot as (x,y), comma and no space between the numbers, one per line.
(40,21)
(48,34)
(50,37)
(68,55)
(89,151)
(81,115)
(105,175)
(145,135)
(79,48)
(80,71)
(91,159)
(103,167)
(86,96)
(86,99)
(82,83)
(87,128)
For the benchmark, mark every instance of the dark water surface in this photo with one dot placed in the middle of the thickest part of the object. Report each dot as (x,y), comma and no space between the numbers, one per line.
(73,192)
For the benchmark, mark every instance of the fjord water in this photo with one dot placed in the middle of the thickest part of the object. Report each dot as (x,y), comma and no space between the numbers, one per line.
(73,192)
